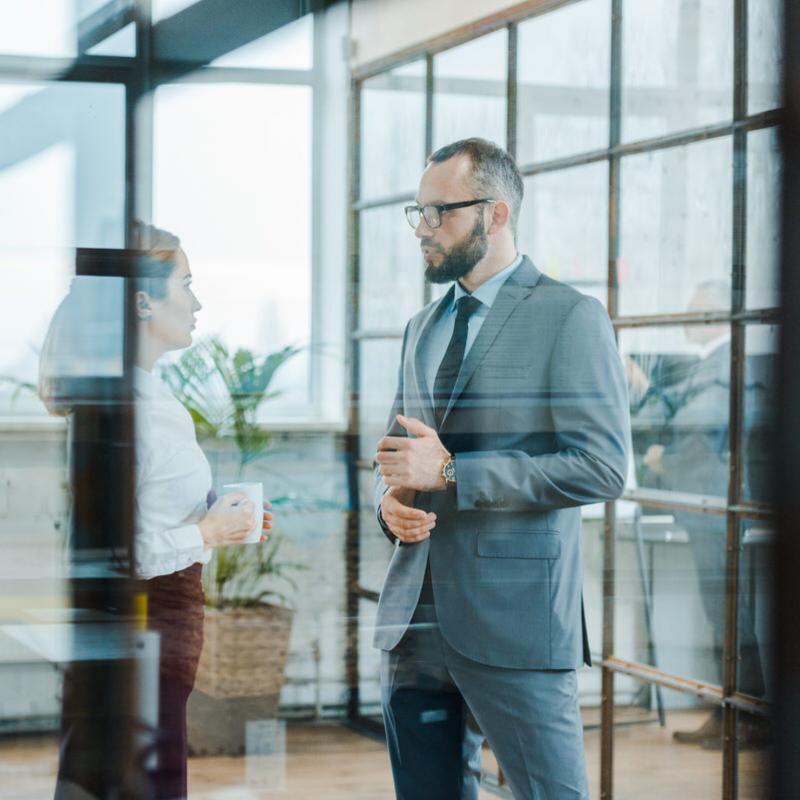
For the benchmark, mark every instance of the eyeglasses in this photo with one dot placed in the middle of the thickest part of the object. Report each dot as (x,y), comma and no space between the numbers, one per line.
(432,214)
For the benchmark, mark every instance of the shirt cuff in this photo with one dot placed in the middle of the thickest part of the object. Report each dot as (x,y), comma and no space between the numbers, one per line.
(188,537)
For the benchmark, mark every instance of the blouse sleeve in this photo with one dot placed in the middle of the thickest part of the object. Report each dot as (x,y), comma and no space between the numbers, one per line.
(161,548)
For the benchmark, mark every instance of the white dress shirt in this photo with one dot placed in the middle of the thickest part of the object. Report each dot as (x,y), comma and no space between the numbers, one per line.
(172,482)
(442,329)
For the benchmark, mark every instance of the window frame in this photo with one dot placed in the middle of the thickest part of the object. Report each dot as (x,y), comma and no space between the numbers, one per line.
(734,508)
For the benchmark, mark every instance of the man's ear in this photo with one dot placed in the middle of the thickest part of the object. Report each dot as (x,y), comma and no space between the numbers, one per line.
(501,216)
(141,301)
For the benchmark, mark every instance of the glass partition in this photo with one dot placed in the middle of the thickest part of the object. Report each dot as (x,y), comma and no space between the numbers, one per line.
(763,218)
(470,90)
(675,226)
(677,66)
(573,246)
(562,82)
(393,95)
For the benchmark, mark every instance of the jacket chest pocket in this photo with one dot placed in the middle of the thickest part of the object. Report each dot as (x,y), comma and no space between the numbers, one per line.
(518,544)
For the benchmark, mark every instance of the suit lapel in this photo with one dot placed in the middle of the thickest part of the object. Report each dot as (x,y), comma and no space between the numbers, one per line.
(511,293)
(423,389)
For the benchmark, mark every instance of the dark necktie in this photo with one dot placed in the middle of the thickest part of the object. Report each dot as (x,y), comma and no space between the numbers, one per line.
(453,356)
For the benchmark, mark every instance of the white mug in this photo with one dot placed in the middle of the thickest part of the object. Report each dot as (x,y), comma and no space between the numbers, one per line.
(255,493)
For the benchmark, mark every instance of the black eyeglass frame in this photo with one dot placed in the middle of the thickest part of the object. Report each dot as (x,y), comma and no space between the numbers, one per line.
(441,208)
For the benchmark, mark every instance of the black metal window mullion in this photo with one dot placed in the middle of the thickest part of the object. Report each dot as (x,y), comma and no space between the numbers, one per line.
(429,111)
(353,358)
(730,777)
(612,301)
(512,78)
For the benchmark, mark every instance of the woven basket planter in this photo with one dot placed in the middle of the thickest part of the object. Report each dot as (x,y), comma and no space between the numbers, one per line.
(239,678)
(244,651)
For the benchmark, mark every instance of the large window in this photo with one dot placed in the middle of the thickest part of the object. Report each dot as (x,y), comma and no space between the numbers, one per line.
(238,188)
(649,151)
(62,185)
(231,158)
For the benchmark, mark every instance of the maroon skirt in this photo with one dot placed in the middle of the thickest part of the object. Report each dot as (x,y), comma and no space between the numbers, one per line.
(175,610)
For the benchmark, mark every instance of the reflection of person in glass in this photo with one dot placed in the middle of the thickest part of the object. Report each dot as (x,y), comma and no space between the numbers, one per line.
(511,412)
(175,530)
(694,458)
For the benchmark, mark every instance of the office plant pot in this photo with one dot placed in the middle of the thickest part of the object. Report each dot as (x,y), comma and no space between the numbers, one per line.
(240,676)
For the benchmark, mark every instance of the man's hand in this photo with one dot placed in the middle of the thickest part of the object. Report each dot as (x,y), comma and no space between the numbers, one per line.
(413,463)
(653,458)
(407,523)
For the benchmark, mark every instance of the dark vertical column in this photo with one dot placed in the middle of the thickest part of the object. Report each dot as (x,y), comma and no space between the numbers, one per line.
(736,407)
(99,717)
(101,735)
(352,537)
(786,633)
(139,123)
(511,91)
(609,533)
(429,100)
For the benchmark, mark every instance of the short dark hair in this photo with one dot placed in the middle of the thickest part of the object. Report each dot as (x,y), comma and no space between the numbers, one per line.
(494,172)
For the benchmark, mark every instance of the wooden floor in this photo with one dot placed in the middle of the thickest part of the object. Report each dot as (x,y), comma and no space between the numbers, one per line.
(330,762)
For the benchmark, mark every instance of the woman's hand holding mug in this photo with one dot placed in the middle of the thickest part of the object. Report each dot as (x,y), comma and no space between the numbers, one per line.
(228,521)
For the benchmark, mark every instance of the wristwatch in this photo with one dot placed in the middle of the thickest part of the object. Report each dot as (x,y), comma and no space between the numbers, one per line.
(449,472)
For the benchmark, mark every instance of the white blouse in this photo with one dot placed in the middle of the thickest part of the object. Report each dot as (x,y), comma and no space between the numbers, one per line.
(172,482)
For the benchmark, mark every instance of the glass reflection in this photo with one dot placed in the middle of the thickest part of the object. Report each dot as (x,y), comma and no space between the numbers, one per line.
(677,64)
(675,225)
(379,366)
(217,150)
(389,256)
(562,91)
(64,29)
(569,247)
(233,172)
(288,47)
(765,55)
(761,364)
(469,91)
(62,185)
(763,218)
(755,645)
(392,122)
(679,383)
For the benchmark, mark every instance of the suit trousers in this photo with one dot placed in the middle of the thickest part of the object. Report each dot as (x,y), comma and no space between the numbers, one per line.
(438,705)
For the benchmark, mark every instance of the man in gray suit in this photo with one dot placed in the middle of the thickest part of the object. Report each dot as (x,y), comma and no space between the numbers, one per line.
(511,412)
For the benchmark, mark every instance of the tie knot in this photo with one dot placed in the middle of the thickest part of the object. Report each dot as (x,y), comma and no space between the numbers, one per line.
(467,305)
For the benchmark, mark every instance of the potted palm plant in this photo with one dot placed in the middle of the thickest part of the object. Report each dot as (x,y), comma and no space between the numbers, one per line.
(248,617)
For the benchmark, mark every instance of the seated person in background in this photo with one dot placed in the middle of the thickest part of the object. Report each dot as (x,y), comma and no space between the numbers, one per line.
(693,457)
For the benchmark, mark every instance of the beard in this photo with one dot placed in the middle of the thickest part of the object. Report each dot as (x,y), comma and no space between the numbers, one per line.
(461,258)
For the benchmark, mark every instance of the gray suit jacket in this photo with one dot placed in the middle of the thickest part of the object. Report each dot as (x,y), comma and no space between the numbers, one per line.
(538,423)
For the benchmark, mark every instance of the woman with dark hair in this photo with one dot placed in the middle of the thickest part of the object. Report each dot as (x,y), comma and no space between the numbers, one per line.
(175,529)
